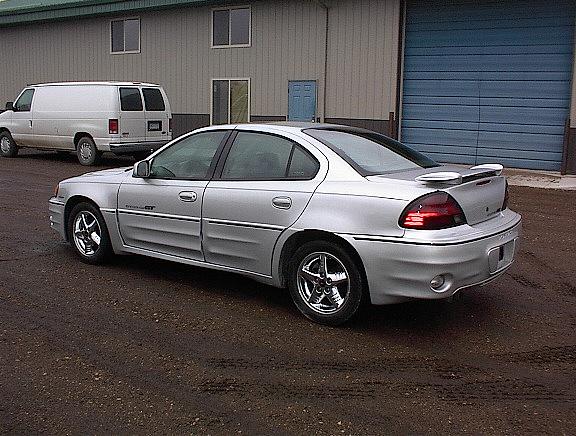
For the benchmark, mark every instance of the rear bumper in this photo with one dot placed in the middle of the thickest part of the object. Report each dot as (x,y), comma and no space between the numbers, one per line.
(399,271)
(132,147)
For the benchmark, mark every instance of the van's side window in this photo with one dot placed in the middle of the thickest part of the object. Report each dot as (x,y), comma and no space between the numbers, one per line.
(153,99)
(130,99)
(24,103)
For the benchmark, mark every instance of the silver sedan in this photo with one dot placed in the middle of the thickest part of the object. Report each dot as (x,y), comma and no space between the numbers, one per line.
(338,215)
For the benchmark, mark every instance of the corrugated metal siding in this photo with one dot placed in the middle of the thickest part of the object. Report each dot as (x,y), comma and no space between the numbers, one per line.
(488,80)
(362,59)
(287,44)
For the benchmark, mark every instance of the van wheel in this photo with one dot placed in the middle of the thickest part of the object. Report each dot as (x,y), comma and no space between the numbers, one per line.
(325,283)
(8,147)
(87,152)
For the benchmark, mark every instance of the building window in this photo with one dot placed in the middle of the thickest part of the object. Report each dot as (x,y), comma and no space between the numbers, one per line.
(230,101)
(231,27)
(125,36)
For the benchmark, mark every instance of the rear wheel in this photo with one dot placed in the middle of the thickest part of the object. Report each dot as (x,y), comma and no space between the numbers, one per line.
(8,147)
(87,152)
(325,283)
(88,234)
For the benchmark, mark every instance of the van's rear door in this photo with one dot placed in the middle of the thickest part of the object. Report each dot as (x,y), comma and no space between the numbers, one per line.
(132,117)
(157,115)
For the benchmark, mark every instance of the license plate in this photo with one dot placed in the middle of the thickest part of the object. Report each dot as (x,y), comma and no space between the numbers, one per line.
(154,126)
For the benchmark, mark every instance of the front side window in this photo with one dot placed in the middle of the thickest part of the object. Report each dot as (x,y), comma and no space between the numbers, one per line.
(231,27)
(370,153)
(259,156)
(125,36)
(230,101)
(24,103)
(189,158)
(130,99)
(153,99)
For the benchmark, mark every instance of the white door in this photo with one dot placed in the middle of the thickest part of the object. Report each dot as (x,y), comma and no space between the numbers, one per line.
(22,120)
(132,117)
(157,118)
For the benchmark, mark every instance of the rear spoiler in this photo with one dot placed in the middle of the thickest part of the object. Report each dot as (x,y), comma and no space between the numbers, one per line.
(455,178)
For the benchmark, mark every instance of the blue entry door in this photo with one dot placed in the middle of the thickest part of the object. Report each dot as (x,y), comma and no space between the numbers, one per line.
(302,100)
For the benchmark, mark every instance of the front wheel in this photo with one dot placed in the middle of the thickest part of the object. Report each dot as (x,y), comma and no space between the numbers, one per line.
(87,152)
(8,147)
(325,283)
(88,234)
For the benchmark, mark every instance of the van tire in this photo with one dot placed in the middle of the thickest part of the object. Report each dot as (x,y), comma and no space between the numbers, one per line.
(87,152)
(8,147)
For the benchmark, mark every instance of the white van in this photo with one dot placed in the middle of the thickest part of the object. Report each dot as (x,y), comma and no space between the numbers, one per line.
(88,118)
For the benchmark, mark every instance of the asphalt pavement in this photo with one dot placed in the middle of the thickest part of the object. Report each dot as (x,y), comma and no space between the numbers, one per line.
(144,346)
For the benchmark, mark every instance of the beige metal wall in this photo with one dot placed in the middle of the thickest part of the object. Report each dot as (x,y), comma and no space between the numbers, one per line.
(362,58)
(288,43)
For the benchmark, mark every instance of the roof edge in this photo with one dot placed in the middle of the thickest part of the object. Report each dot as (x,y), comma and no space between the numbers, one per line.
(83,9)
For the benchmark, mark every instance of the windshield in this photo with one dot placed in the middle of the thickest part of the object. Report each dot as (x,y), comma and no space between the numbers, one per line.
(371,153)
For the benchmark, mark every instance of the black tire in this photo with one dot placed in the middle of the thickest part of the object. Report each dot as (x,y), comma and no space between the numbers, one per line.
(87,152)
(98,254)
(8,147)
(351,293)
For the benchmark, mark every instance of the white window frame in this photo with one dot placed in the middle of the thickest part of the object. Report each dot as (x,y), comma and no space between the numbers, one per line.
(229,8)
(228,79)
(139,36)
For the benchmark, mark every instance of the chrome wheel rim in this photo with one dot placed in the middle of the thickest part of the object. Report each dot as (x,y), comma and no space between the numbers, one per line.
(87,233)
(323,283)
(5,144)
(85,151)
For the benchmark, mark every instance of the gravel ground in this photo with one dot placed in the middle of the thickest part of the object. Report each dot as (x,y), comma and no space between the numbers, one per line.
(147,346)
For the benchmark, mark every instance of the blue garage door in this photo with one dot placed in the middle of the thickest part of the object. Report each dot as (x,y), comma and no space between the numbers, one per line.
(488,81)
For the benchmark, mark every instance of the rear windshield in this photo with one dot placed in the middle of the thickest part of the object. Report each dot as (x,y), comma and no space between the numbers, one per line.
(153,99)
(370,153)
(130,99)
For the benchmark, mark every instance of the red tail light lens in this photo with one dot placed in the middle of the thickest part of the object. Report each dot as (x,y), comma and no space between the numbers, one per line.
(432,212)
(170,124)
(113,127)
(506,197)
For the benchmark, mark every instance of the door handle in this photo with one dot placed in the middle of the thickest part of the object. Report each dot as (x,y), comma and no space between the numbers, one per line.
(187,196)
(30,121)
(282,202)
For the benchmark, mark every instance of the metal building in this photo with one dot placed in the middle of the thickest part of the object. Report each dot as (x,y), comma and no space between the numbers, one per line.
(465,81)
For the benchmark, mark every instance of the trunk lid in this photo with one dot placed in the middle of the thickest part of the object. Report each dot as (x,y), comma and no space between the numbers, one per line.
(480,191)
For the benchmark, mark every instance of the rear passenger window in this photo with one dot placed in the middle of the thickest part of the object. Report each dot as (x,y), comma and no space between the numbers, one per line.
(258,156)
(130,99)
(302,166)
(153,99)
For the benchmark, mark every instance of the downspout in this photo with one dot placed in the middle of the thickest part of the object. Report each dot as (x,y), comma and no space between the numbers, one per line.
(325,73)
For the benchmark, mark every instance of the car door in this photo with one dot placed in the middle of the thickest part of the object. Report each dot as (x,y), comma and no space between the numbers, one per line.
(22,119)
(132,117)
(162,213)
(259,190)
(157,118)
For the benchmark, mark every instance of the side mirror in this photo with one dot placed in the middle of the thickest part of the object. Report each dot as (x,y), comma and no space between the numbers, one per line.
(9,106)
(141,169)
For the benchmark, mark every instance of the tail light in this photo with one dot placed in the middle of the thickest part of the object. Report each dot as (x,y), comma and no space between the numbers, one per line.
(113,127)
(170,124)
(506,197)
(432,212)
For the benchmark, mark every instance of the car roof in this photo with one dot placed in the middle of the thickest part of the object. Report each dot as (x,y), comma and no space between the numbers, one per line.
(291,126)
(110,83)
